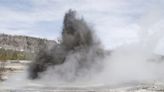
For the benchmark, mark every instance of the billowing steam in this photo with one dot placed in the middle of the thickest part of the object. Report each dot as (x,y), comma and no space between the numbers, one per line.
(80,57)
(74,57)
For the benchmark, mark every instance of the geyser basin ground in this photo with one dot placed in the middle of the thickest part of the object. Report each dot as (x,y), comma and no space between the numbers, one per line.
(21,84)
(145,87)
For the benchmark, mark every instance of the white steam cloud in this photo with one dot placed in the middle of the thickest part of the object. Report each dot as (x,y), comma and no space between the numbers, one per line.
(137,62)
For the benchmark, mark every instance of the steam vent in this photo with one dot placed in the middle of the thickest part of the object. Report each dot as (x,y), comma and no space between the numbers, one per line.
(78,42)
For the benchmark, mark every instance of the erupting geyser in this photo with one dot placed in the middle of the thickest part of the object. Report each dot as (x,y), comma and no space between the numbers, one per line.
(76,54)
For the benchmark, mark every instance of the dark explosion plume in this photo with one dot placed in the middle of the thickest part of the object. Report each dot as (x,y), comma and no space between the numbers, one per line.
(77,38)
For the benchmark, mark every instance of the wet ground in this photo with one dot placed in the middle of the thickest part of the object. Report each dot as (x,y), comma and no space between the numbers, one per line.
(154,87)
(29,86)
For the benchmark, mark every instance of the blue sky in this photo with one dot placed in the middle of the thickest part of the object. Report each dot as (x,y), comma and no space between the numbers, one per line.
(112,19)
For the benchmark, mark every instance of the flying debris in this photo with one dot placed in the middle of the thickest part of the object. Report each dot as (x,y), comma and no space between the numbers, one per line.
(78,41)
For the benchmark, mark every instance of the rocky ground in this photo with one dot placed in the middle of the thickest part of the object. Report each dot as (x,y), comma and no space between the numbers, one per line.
(10,67)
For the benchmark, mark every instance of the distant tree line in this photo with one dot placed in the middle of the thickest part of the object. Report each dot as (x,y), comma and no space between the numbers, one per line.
(14,55)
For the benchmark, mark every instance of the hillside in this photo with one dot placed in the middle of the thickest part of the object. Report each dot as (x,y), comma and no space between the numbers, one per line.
(17,47)
(23,43)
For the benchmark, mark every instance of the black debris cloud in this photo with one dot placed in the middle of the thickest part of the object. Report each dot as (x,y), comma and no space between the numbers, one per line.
(77,37)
